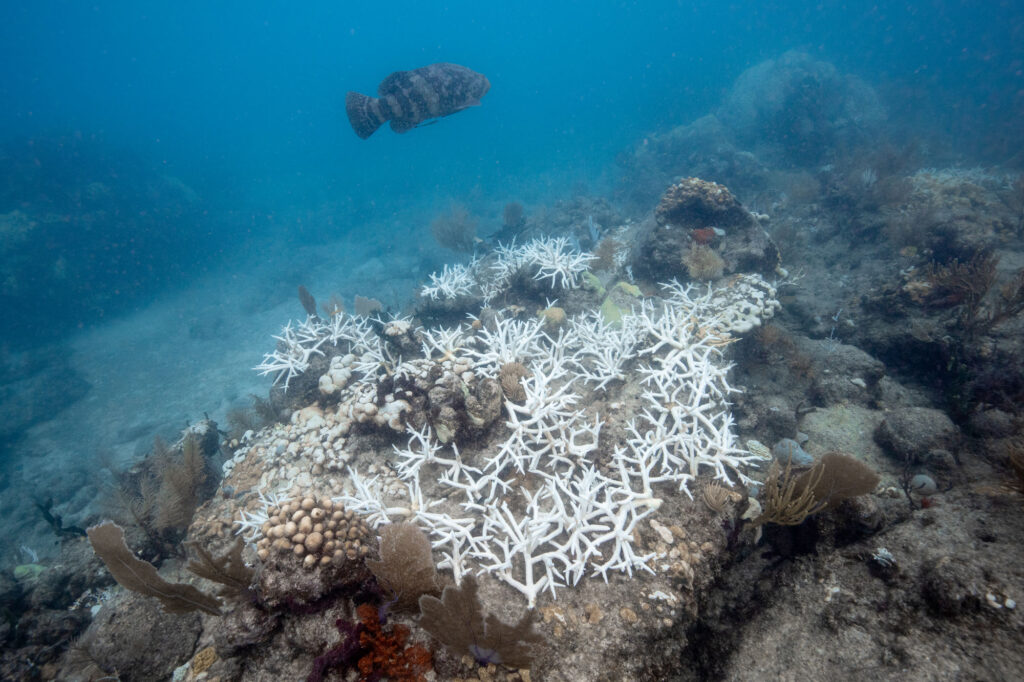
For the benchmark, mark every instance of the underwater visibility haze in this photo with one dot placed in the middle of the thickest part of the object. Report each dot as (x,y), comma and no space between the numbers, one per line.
(572,341)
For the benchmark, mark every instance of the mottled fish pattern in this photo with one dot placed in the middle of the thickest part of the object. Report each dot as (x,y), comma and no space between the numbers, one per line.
(408,98)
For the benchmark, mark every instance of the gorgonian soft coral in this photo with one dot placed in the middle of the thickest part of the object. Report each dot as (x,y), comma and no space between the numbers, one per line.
(457,620)
(375,653)
(386,652)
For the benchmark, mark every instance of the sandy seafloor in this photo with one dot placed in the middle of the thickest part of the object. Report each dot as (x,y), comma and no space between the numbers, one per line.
(187,353)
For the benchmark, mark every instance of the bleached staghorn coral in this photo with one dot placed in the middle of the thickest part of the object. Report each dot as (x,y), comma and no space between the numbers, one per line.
(509,340)
(686,424)
(551,259)
(546,431)
(444,340)
(580,512)
(555,260)
(294,349)
(452,283)
(368,356)
(350,329)
(296,346)
(453,537)
(575,519)
(547,258)
(563,530)
(507,261)
(601,350)
(549,439)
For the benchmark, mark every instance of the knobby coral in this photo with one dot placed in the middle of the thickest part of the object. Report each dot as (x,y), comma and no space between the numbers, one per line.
(316,532)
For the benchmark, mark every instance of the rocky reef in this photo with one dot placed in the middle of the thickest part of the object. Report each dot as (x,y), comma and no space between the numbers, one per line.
(573,481)
(688,441)
(701,232)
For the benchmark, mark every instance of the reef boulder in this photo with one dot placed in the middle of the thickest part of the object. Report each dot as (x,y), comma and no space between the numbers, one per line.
(798,110)
(700,231)
(134,624)
(914,434)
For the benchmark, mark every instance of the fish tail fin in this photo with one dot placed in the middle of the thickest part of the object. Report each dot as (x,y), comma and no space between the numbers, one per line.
(366,114)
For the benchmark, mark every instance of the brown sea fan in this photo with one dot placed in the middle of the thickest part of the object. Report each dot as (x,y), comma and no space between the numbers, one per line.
(513,215)
(458,621)
(365,307)
(455,229)
(406,566)
(605,252)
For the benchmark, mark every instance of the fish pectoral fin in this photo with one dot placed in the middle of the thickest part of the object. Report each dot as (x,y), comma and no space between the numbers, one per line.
(406,126)
(467,105)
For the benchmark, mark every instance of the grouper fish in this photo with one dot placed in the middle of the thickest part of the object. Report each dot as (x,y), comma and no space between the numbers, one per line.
(409,98)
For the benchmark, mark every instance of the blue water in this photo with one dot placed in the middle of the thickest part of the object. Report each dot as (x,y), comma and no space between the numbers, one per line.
(249,96)
(191,162)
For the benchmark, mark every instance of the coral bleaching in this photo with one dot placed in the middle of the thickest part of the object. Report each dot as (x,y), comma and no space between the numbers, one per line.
(545,501)
(545,259)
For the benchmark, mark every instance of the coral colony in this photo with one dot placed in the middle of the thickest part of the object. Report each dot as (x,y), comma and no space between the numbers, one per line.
(542,508)
(296,347)
(451,283)
(550,259)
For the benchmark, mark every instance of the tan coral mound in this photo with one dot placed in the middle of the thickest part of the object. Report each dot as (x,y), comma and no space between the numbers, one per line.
(697,203)
(317,532)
